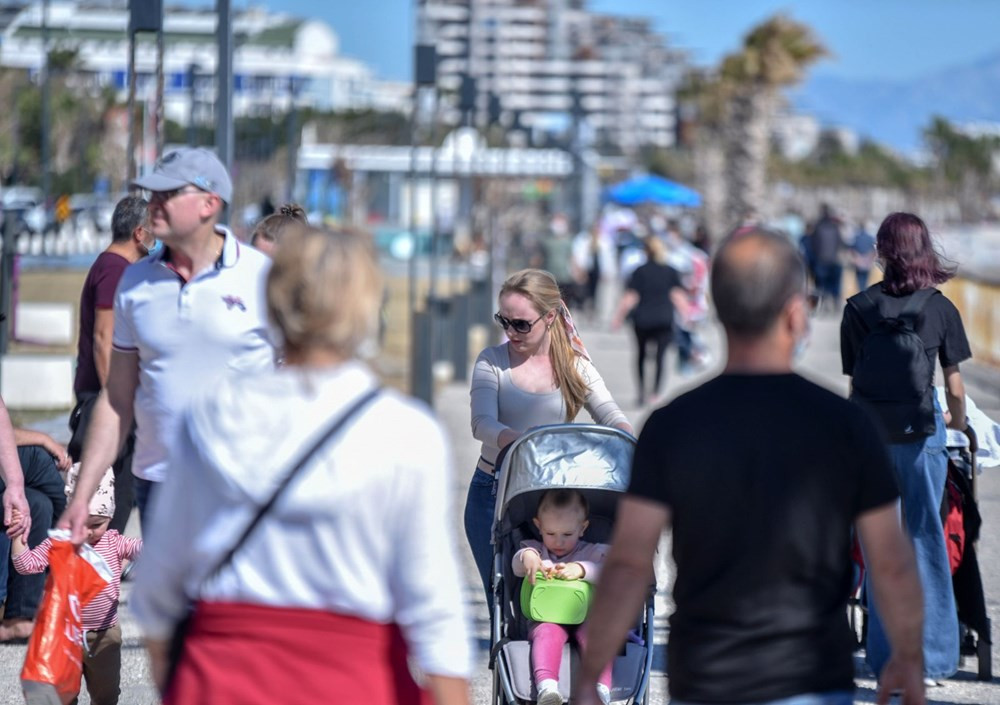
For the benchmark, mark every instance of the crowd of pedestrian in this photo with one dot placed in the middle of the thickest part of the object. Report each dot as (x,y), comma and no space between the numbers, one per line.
(286,498)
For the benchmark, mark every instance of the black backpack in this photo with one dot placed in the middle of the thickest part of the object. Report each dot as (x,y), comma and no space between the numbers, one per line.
(893,377)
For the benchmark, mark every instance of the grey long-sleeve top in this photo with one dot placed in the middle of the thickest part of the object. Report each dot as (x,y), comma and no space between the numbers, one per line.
(498,404)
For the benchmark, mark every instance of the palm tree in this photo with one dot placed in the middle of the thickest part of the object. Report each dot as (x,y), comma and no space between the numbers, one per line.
(703,97)
(775,55)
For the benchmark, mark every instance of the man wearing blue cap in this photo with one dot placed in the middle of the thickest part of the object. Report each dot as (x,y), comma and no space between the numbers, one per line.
(183,317)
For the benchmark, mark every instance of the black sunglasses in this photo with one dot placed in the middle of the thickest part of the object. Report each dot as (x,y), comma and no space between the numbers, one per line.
(518,324)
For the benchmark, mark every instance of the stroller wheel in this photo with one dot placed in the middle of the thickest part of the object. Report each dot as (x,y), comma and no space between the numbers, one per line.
(985,661)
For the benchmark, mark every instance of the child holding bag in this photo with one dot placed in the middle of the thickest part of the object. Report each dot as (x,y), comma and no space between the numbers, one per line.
(102,655)
(561,519)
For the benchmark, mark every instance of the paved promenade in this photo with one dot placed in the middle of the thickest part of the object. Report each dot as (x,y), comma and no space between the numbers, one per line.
(613,356)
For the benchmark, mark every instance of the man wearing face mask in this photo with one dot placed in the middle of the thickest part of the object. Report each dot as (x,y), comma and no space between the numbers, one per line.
(761,476)
(131,240)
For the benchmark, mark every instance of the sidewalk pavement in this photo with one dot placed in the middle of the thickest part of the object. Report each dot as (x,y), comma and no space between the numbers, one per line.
(613,355)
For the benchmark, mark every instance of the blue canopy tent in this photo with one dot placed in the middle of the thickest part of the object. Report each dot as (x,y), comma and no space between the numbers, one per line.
(653,189)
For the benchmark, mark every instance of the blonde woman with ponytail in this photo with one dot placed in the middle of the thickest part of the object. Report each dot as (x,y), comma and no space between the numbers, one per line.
(541,375)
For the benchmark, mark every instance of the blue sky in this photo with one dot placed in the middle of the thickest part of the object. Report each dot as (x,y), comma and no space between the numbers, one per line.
(893,39)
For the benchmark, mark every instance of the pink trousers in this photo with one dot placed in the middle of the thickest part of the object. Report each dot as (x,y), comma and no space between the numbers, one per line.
(547,646)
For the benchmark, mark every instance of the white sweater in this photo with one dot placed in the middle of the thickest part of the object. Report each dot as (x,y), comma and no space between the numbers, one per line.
(366,529)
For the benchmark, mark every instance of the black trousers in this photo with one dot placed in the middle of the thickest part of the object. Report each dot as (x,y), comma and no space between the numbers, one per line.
(79,422)
(661,336)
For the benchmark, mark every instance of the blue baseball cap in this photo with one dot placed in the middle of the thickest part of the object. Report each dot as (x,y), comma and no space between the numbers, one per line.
(196,166)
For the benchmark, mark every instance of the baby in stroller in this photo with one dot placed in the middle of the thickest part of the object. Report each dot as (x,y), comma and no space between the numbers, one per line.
(561,519)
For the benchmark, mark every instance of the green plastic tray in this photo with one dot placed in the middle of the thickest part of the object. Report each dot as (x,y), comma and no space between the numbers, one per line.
(556,601)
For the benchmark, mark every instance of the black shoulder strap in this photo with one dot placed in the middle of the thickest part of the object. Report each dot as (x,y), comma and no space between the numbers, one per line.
(868,309)
(291,475)
(865,305)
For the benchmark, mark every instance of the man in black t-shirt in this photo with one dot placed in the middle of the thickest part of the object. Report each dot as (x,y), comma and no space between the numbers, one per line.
(761,475)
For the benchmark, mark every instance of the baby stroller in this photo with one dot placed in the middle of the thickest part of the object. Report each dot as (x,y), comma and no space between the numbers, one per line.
(597,461)
(962,522)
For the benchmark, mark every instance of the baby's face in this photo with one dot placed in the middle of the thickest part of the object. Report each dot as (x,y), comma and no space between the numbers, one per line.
(96,526)
(561,529)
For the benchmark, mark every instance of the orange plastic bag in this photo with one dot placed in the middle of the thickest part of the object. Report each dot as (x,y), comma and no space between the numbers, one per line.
(54,664)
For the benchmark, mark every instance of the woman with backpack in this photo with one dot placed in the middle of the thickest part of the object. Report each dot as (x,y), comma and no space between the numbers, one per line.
(890,337)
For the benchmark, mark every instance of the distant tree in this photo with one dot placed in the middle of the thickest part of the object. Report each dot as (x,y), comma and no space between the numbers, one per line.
(964,165)
(830,165)
(704,96)
(774,55)
(76,124)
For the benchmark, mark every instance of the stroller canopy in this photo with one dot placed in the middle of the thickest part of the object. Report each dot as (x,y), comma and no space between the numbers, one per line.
(574,456)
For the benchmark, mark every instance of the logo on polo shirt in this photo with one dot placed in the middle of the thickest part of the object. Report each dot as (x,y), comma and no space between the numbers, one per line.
(234,302)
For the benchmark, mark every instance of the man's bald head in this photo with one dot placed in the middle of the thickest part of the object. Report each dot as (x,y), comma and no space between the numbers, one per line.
(754,276)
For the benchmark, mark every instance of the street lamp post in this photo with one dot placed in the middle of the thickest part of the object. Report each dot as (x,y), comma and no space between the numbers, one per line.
(224,95)
(193,103)
(292,137)
(46,108)
(421,322)
(146,16)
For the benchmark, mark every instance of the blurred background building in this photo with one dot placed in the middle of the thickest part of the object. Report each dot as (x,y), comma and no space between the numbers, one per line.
(550,60)
(277,58)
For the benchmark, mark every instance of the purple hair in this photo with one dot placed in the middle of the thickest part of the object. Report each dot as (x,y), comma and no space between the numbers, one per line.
(910,261)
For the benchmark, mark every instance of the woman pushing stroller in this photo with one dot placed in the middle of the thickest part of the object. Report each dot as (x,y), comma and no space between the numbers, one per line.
(541,375)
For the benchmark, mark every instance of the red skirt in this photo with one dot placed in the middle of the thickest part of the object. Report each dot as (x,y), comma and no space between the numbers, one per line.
(253,654)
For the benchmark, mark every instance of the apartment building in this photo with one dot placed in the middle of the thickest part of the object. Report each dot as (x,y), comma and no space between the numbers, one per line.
(552,61)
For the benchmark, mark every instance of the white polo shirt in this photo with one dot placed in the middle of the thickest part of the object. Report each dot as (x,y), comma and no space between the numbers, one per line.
(188,335)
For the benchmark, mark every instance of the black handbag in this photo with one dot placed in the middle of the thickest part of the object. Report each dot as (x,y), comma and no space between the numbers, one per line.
(183,626)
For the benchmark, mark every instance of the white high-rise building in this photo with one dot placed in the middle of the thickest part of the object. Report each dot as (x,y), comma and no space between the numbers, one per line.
(275,55)
(546,59)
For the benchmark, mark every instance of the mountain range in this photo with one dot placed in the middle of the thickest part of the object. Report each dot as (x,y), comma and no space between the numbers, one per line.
(894,113)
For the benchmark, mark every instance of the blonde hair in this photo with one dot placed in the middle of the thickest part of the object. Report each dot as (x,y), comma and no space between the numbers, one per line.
(655,249)
(541,289)
(271,227)
(324,290)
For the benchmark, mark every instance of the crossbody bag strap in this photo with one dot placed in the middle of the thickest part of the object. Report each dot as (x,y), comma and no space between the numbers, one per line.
(304,459)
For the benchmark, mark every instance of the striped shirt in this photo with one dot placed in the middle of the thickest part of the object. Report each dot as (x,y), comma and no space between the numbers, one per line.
(102,611)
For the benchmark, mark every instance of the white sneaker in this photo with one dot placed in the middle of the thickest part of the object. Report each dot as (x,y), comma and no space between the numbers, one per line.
(603,694)
(548,693)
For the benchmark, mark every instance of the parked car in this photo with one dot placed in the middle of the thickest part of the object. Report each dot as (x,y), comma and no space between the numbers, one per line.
(398,243)
(25,204)
(92,208)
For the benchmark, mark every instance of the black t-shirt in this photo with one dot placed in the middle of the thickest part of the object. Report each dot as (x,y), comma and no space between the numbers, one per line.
(826,241)
(764,476)
(939,325)
(653,282)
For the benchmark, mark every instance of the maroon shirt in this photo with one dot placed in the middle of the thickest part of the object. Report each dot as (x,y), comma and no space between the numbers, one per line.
(98,292)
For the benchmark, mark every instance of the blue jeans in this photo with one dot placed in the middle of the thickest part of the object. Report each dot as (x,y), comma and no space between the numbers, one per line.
(44,490)
(921,470)
(832,697)
(828,277)
(479,508)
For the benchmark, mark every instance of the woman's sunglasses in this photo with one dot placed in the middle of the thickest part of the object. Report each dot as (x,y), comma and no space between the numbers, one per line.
(518,324)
